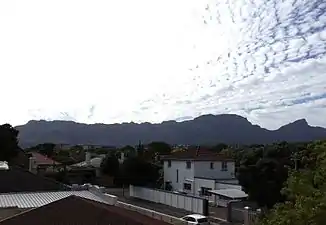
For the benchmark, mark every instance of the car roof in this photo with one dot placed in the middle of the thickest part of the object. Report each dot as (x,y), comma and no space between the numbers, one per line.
(196,216)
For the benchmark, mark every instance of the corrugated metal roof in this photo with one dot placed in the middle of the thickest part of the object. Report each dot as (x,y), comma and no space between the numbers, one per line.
(231,193)
(37,199)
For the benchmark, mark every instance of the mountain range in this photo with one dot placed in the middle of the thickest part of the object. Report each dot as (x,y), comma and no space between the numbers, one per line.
(207,129)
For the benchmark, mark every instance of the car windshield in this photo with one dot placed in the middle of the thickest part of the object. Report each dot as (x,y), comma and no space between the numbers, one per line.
(202,220)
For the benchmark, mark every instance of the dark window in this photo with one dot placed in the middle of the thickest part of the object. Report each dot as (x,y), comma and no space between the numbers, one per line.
(190,219)
(169,163)
(186,186)
(202,220)
(188,165)
(212,165)
(224,166)
(204,191)
(177,176)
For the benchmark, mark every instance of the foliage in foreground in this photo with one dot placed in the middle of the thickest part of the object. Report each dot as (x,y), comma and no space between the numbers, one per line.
(305,191)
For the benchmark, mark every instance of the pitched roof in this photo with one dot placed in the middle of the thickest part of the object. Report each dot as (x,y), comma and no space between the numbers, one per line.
(43,160)
(20,180)
(77,210)
(200,154)
(38,199)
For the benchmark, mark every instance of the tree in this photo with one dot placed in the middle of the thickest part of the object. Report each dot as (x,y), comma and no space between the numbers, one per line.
(138,172)
(8,142)
(219,147)
(110,165)
(305,191)
(160,147)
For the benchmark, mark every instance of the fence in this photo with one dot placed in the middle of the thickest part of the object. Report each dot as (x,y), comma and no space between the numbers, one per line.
(152,214)
(181,201)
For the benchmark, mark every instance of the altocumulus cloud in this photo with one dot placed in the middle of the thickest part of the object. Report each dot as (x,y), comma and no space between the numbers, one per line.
(262,59)
(269,65)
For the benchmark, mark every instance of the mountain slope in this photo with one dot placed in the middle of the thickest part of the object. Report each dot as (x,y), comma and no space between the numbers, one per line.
(208,129)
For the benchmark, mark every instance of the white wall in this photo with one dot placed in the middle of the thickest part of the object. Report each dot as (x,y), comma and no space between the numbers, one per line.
(203,169)
(189,203)
(170,174)
(207,183)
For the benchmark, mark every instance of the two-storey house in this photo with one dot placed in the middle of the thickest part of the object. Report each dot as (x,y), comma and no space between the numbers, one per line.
(199,172)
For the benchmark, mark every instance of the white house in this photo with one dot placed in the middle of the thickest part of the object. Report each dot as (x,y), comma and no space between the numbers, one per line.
(202,172)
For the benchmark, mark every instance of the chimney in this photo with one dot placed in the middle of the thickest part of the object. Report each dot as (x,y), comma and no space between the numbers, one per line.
(88,158)
(32,165)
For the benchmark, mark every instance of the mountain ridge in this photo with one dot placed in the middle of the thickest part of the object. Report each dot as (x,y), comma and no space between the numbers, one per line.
(205,129)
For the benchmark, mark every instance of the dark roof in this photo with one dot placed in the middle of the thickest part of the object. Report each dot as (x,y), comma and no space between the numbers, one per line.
(200,154)
(79,211)
(20,180)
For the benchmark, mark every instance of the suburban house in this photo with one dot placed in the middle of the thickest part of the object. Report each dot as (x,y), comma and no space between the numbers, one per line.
(201,172)
(27,198)
(39,163)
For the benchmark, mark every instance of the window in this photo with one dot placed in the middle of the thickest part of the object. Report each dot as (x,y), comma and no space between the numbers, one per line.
(224,166)
(177,176)
(169,163)
(186,186)
(188,165)
(189,219)
(202,220)
(212,165)
(204,191)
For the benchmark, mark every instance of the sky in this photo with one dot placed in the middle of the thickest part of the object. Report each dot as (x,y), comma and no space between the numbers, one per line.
(153,60)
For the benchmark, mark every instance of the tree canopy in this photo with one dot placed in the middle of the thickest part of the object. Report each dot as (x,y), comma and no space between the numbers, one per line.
(110,165)
(136,171)
(8,142)
(305,191)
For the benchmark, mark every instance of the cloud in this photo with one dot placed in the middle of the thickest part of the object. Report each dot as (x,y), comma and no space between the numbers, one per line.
(126,61)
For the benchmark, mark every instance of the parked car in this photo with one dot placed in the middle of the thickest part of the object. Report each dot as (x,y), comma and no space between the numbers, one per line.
(196,219)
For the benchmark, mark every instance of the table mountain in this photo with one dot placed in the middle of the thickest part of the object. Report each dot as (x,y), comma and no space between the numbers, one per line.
(207,129)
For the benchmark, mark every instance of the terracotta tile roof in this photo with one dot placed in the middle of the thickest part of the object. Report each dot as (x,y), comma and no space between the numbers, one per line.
(43,160)
(20,180)
(79,211)
(201,154)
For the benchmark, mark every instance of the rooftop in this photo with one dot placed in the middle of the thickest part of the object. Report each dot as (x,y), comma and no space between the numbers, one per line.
(19,180)
(230,193)
(38,199)
(195,154)
(78,210)
(43,160)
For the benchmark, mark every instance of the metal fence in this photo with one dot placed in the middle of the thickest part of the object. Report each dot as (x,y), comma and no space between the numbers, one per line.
(181,201)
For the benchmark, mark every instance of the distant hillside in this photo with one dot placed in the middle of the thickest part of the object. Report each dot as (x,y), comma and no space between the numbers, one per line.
(208,129)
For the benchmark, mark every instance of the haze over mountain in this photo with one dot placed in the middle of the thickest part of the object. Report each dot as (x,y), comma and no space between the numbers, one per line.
(207,129)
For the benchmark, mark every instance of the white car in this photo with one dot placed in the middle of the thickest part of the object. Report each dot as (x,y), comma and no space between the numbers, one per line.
(196,219)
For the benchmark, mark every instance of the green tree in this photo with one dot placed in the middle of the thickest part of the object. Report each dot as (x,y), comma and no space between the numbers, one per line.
(160,147)
(305,191)
(110,165)
(136,171)
(219,147)
(8,142)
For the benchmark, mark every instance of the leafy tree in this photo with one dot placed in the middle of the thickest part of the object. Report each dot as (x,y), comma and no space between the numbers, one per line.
(8,142)
(160,147)
(136,171)
(110,165)
(45,149)
(305,191)
(219,147)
